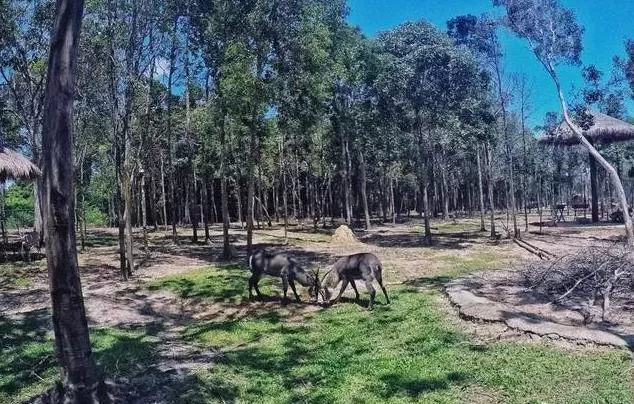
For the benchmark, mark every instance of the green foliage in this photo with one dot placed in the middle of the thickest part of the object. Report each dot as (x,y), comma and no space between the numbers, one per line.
(95,217)
(19,205)
(561,42)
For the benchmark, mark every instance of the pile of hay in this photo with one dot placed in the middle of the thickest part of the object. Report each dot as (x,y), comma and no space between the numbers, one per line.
(343,235)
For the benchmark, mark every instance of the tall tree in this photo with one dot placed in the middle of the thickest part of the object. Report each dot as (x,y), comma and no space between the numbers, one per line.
(80,378)
(561,43)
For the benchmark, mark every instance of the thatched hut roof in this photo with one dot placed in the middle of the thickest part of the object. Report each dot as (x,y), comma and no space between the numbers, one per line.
(15,166)
(605,129)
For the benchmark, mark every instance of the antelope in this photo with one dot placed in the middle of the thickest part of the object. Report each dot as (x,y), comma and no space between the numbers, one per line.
(281,266)
(363,266)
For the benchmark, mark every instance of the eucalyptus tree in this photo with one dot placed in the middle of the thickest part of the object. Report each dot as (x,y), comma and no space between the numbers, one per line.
(429,78)
(559,44)
(354,115)
(302,84)
(80,378)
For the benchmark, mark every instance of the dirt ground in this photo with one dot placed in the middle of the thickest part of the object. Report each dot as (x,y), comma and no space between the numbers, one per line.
(458,248)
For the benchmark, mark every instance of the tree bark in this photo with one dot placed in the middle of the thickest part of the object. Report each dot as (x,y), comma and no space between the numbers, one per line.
(128,164)
(480,189)
(364,196)
(170,78)
(612,173)
(163,193)
(489,157)
(594,188)
(144,215)
(80,377)
(251,183)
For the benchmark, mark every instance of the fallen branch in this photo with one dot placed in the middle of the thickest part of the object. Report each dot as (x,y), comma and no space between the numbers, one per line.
(531,249)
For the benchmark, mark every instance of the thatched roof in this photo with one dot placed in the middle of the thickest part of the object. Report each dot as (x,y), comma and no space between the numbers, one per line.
(604,130)
(15,166)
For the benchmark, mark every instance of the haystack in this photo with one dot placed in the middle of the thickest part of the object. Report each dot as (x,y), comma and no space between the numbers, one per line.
(343,235)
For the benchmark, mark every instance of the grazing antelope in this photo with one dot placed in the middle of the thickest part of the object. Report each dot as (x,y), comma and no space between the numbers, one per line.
(363,266)
(279,265)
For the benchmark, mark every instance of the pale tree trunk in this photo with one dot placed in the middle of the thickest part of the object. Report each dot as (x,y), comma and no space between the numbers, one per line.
(489,157)
(144,215)
(224,197)
(128,164)
(424,182)
(163,193)
(238,191)
(445,192)
(170,79)
(364,196)
(427,214)
(144,146)
(392,203)
(480,189)
(251,184)
(80,378)
(612,173)
(226,246)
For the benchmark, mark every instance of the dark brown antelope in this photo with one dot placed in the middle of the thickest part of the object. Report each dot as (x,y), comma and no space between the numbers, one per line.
(363,266)
(279,265)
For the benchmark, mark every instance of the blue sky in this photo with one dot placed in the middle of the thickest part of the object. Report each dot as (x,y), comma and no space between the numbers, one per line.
(607,24)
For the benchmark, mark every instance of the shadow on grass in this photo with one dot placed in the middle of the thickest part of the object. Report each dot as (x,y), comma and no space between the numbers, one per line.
(28,365)
(435,282)
(221,283)
(397,384)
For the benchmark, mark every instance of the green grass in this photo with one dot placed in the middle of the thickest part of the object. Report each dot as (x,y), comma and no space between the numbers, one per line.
(226,283)
(28,365)
(17,274)
(404,352)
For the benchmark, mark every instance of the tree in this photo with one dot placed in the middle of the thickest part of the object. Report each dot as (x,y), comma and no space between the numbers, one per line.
(24,40)
(80,378)
(560,43)
(429,78)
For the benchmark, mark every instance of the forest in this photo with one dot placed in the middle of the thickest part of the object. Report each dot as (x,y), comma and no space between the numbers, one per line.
(208,128)
(172,97)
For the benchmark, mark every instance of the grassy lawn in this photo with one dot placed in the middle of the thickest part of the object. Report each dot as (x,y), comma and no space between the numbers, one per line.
(28,366)
(404,352)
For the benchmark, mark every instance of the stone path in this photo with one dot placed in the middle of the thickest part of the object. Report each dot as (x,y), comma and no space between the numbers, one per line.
(530,316)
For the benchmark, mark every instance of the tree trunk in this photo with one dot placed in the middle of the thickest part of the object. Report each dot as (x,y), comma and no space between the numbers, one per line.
(445,192)
(205,208)
(480,189)
(427,221)
(128,165)
(251,186)
(594,188)
(238,192)
(364,196)
(170,79)
(224,197)
(226,245)
(163,193)
(144,215)
(80,378)
(612,173)
(489,157)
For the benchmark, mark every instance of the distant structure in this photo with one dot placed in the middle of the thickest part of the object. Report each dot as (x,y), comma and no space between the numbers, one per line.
(604,130)
(13,166)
